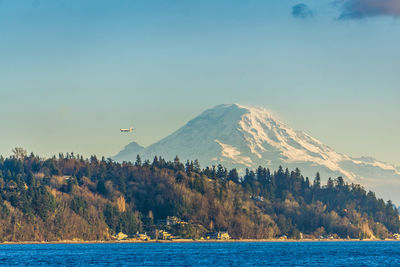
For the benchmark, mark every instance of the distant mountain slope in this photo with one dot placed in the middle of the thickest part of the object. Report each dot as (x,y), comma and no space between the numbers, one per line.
(246,137)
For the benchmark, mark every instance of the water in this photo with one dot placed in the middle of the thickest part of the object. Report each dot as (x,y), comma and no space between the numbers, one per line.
(186,254)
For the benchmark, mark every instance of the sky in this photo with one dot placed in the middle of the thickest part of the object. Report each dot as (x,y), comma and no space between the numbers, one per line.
(73,72)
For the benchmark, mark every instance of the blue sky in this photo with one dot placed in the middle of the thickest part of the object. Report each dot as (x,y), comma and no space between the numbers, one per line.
(73,72)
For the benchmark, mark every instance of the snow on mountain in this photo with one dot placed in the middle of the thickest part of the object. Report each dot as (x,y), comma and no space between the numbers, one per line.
(246,137)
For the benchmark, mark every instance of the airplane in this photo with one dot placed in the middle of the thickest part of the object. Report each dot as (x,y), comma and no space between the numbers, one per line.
(126,130)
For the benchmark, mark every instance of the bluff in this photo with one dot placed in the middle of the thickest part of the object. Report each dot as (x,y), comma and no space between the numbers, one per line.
(71,198)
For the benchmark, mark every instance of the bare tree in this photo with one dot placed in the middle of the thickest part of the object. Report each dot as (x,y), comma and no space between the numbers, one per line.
(19,152)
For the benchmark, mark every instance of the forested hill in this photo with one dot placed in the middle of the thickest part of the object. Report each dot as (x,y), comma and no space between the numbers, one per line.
(68,197)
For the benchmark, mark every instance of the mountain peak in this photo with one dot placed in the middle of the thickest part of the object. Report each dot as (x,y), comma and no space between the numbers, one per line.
(260,111)
(129,150)
(239,136)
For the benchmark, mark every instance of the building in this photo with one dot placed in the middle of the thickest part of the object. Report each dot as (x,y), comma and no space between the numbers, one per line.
(171,220)
(164,235)
(218,236)
(257,198)
(121,236)
(143,237)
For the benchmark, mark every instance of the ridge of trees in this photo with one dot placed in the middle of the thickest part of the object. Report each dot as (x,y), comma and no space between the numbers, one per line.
(69,197)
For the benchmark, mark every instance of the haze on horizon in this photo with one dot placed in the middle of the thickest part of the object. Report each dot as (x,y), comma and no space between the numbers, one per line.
(72,73)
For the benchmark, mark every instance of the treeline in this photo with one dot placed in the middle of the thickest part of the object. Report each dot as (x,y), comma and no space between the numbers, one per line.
(69,197)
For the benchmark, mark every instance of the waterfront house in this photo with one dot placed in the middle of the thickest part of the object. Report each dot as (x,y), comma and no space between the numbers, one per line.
(218,235)
(121,236)
(164,235)
(143,237)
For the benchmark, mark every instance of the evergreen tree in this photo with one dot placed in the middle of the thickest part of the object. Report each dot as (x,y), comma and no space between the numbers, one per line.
(138,161)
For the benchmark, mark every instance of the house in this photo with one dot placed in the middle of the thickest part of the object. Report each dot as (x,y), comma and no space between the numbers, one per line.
(143,237)
(396,236)
(121,236)
(257,198)
(164,235)
(171,220)
(218,235)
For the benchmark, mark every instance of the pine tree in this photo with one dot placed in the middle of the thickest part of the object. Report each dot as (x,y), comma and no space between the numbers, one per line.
(138,161)
(317,181)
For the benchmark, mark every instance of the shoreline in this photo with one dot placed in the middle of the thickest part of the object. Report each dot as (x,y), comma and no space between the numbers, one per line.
(132,241)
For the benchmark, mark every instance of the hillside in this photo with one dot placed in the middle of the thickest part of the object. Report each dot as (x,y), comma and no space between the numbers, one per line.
(243,137)
(69,197)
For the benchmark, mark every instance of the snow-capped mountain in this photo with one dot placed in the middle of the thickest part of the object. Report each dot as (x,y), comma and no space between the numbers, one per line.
(246,137)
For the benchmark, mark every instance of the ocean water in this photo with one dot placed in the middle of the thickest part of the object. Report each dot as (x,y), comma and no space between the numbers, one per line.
(205,254)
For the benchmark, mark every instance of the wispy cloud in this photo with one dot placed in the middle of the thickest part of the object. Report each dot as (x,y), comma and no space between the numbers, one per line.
(302,11)
(359,9)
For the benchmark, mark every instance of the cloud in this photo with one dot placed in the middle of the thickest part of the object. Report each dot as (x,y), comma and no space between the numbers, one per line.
(359,9)
(302,11)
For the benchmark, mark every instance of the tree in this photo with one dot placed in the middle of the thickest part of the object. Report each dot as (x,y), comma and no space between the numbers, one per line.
(176,160)
(19,153)
(138,161)
(340,182)
(121,204)
(196,166)
(43,202)
(317,181)
(221,172)
(101,187)
(155,162)
(233,176)
(330,183)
